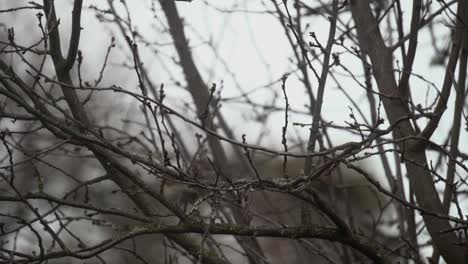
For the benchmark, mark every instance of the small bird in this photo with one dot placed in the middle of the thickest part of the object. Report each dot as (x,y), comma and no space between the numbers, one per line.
(180,192)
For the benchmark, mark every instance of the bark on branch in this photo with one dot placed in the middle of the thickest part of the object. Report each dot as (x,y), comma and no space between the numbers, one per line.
(417,168)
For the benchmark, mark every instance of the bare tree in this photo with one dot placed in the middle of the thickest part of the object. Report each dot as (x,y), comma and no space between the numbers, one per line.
(123,152)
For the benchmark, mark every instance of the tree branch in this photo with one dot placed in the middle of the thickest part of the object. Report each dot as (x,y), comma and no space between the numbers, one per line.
(462,13)
(75,35)
(420,178)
